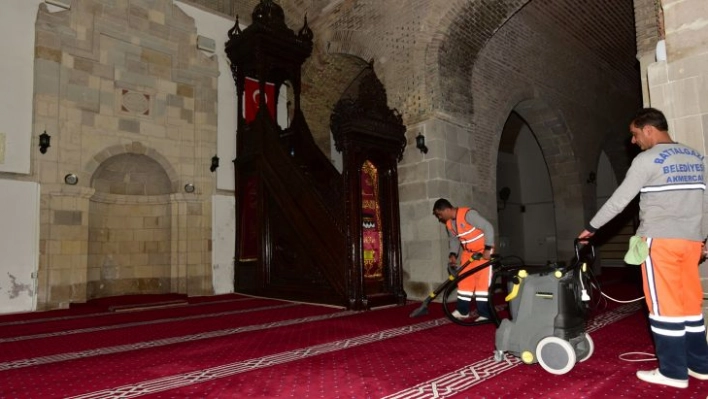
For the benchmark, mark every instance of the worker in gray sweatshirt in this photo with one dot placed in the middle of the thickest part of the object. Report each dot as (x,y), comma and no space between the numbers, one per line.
(670,180)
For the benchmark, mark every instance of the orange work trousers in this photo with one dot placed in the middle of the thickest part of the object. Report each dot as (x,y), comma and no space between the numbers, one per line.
(478,283)
(672,283)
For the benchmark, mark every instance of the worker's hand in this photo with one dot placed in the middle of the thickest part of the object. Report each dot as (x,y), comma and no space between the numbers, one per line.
(452,260)
(487,254)
(585,236)
(704,253)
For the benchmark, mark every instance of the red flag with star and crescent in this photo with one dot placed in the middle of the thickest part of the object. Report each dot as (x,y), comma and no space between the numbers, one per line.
(252,96)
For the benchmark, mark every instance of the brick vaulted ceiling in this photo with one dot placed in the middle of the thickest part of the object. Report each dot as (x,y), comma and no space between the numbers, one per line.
(606,27)
(418,45)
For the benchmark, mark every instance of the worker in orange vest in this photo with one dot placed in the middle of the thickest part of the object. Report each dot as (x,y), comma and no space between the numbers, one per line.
(470,234)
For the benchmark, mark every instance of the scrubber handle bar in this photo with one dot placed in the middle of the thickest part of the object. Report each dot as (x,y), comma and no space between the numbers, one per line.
(581,245)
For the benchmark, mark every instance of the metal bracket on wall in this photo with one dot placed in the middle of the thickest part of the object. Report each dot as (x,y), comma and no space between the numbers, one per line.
(65,4)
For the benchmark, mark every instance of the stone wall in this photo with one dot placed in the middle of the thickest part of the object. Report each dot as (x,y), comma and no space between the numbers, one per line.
(117,78)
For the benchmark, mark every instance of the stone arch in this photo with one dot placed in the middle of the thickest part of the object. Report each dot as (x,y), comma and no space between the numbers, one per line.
(488,124)
(136,148)
(131,174)
(620,152)
(325,86)
(349,48)
(463,32)
(611,239)
(553,136)
(526,219)
(552,133)
(617,148)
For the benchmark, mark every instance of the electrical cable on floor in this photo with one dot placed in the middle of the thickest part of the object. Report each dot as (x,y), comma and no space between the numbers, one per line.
(649,357)
(617,300)
(627,356)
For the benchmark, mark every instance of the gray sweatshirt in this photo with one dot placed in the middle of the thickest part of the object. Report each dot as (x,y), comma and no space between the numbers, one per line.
(670,178)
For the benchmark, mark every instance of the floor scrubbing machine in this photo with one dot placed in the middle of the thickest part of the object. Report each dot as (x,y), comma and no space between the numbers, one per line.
(548,306)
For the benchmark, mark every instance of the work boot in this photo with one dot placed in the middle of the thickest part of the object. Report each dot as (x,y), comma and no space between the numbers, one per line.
(459,316)
(655,377)
(698,376)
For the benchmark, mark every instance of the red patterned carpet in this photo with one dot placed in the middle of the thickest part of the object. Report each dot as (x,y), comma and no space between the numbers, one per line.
(234,346)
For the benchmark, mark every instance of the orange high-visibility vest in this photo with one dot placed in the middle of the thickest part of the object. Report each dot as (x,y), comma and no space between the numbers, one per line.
(471,238)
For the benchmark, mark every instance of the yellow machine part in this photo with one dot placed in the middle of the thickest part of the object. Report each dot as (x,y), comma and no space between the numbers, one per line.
(515,289)
(527,357)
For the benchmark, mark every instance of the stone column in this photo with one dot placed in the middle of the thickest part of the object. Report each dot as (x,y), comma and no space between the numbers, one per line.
(447,170)
(649,30)
(679,85)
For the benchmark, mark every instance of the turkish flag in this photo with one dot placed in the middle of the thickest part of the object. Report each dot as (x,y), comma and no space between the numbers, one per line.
(252,97)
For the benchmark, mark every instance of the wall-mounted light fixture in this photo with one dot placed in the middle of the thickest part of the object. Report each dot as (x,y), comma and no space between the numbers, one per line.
(189,188)
(71,179)
(214,163)
(44,142)
(420,143)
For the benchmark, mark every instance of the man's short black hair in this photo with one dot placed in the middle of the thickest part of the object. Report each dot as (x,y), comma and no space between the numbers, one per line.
(651,117)
(442,204)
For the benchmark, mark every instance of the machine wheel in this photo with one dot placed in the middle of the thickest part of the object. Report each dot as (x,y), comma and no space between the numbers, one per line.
(555,355)
(587,347)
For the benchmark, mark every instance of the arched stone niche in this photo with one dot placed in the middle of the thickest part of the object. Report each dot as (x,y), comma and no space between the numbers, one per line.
(130,227)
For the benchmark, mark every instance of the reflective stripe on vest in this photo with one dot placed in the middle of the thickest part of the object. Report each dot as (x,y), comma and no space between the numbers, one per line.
(672,187)
(470,233)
